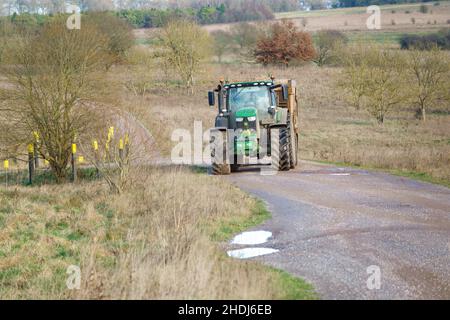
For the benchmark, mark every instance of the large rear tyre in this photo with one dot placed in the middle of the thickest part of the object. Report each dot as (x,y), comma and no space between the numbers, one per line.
(279,141)
(219,155)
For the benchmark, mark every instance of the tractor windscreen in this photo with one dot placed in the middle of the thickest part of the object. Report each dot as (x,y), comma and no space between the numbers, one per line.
(249,97)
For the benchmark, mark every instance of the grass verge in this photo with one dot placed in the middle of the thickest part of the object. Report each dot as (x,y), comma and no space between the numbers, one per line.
(151,242)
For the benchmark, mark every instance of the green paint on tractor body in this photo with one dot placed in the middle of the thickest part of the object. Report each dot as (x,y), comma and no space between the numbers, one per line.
(246,142)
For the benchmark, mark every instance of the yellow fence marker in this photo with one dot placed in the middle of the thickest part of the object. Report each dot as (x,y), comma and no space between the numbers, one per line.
(74,148)
(95,145)
(110,133)
(30,148)
(6,166)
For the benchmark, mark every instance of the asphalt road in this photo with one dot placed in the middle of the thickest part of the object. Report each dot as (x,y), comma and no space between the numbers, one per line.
(331,224)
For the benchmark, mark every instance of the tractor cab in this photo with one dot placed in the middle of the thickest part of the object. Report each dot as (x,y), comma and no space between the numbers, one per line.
(257,96)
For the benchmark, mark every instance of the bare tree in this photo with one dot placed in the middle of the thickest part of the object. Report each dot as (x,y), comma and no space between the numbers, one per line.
(327,44)
(184,46)
(373,79)
(50,78)
(222,43)
(430,71)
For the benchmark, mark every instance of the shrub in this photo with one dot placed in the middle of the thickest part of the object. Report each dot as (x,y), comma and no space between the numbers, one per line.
(222,43)
(326,43)
(117,31)
(440,39)
(52,75)
(423,8)
(184,46)
(430,72)
(285,44)
(372,80)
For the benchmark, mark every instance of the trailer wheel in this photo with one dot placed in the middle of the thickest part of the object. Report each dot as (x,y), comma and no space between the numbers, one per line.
(279,141)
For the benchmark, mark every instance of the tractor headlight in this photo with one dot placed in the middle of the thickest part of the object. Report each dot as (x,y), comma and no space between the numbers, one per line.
(239,119)
(251,119)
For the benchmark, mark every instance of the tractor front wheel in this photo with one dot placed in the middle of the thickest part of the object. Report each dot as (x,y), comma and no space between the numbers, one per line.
(219,155)
(279,140)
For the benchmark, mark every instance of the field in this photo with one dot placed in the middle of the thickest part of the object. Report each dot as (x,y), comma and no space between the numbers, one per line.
(395,21)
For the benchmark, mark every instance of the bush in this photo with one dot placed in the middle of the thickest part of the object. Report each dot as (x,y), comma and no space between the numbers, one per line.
(440,39)
(285,44)
(245,36)
(184,46)
(372,80)
(423,8)
(326,43)
(222,43)
(118,32)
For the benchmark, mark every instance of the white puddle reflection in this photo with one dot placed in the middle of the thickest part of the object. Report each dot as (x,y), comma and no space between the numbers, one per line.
(252,238)
(250,253)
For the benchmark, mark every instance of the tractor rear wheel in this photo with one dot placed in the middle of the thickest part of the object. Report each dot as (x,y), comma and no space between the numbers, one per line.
(219,156)
(279,140)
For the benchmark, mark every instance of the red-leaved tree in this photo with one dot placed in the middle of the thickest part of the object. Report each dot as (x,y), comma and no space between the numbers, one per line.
(283,44)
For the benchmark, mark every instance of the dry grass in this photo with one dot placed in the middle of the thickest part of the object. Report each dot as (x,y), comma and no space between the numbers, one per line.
(152,242)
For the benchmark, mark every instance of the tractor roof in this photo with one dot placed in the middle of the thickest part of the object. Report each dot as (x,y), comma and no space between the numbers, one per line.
(249,84)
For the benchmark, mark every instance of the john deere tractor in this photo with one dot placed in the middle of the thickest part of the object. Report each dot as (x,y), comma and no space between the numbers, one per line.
(257,124)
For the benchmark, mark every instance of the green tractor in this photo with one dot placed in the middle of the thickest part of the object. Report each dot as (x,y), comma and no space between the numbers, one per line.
(257,124)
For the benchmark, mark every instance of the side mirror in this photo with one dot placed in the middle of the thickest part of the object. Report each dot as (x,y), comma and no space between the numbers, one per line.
(211,98)
(285,92)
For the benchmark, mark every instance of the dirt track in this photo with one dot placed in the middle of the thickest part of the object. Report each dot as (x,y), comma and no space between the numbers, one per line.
(330,224)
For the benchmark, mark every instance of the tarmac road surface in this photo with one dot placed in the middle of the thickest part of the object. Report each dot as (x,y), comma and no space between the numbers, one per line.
(332,224)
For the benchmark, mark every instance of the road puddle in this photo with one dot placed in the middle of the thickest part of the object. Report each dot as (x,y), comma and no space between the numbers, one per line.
(250,253)
(252,238)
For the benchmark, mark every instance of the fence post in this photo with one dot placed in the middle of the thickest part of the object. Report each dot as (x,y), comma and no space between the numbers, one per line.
(30,163)
(121,147)
(73,162)
(35,146)
(6,166)
(95,146)
(127,145)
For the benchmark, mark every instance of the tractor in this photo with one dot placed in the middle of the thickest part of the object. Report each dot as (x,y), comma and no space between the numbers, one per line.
(257,124)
